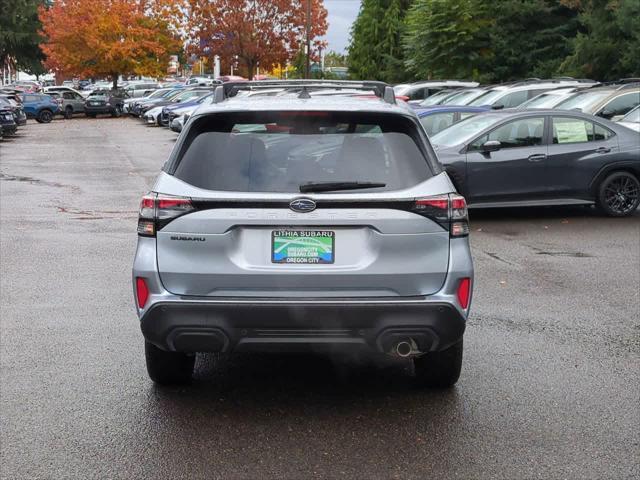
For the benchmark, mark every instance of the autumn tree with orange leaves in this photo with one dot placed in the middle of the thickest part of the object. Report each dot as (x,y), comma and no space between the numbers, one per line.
(261,33)
(108,38)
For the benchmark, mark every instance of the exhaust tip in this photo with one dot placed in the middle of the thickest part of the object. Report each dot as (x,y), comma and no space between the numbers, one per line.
(404,349)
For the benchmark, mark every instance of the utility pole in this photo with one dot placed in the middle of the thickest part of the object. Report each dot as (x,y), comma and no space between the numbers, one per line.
(308,63)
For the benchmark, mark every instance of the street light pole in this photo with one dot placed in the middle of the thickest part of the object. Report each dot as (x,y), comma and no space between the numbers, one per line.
(308,62)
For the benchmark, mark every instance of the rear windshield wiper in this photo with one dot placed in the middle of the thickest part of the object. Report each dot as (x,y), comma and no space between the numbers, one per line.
(331,186)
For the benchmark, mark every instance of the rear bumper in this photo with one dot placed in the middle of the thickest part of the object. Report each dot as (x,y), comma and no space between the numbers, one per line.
(98,109)
(279,323)
(9,128)
(301,325)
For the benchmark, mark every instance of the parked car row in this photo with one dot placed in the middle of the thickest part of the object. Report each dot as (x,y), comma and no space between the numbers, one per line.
(509,156)
(449,102)
(12,114)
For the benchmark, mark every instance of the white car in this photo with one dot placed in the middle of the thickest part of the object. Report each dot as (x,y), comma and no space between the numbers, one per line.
(151,117)
(550,98)
(632,119)
(64,88)
(178,123)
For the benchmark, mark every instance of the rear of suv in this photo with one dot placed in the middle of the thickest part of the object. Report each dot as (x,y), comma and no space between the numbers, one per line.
(303,223)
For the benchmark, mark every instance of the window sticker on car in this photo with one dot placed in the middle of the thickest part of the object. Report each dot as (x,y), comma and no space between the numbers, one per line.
(302,246)
(571,132)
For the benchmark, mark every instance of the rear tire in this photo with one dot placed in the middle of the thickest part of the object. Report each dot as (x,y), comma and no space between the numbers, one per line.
(44,116)
(619,194)
(439,369)
(168,368)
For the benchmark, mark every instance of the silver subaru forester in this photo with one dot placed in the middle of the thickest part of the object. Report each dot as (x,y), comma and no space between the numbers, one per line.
(303,222)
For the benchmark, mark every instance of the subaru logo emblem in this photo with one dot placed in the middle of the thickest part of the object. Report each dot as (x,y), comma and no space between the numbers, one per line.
(302,205)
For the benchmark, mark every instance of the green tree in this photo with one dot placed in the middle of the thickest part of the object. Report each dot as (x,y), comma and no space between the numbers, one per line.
(375,51)
(448,38)
(19,34)
(335,59)
(608,44)
(539,52)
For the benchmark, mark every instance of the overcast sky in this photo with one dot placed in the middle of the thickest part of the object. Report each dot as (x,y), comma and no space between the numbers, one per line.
(341,14)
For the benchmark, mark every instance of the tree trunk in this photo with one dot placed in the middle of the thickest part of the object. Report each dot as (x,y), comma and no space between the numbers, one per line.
(114,77)
(251,68)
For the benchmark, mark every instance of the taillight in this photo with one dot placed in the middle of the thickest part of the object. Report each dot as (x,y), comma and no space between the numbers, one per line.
(464,292)
(450,211)
(156,210)
(459,216)
(142,292)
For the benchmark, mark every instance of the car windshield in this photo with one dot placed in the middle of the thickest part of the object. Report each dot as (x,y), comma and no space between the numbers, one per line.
(160,93)
(99,93)
(632,117)
(463,98)
(583,101)
(488,98)
(436,98)
(187,95)
(545,100)
(400,89)
(280,151)
(9,101)
(465,130)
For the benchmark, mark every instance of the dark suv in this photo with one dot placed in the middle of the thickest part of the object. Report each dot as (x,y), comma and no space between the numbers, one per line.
(105,101)
(7,120)
(13,104)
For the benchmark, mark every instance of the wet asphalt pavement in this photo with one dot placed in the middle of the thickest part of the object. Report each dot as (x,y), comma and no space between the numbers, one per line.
(550,386)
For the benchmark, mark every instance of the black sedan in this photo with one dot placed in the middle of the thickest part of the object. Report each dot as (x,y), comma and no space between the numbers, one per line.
(8,124)
(543,157)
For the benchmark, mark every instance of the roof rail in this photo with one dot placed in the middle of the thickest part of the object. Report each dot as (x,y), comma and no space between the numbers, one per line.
(231,89)
(629,80)
(573,79)
(622,83)
(635,84)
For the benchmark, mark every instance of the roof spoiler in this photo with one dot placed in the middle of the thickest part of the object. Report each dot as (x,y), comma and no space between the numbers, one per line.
(230,89)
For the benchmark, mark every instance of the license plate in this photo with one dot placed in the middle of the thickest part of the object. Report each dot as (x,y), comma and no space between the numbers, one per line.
(302,246)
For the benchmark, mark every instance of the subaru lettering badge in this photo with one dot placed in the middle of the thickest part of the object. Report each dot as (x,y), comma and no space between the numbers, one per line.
(302,205)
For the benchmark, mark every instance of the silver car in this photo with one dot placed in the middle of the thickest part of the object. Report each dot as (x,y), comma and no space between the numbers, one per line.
(70,102)
(303,223)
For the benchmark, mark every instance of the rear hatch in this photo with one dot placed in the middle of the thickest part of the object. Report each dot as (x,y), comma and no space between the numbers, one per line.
(97,100)
(302,204)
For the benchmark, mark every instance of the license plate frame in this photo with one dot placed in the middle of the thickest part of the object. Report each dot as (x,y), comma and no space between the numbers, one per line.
(308,246)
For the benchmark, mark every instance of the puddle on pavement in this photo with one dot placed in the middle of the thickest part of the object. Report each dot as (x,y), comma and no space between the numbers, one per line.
(97,214)
(37,181)
(565,254)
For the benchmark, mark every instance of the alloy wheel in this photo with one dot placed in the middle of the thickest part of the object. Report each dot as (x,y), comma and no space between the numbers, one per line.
(621,194)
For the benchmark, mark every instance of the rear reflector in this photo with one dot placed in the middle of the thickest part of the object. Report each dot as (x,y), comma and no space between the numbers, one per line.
(142,292)
(463,293)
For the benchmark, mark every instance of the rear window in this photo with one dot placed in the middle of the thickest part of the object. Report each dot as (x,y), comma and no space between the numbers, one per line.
(280,151)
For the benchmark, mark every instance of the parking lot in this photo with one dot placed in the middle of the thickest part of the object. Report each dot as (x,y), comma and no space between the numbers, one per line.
(550,386)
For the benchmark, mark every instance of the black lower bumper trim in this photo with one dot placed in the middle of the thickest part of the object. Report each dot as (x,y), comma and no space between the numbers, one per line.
(228,326)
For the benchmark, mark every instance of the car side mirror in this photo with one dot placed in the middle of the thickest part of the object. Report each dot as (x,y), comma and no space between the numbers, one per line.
(490,146)
(498,106)
(605,114)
